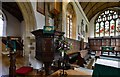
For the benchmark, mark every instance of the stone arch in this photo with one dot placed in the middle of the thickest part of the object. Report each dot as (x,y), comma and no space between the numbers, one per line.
(29,21)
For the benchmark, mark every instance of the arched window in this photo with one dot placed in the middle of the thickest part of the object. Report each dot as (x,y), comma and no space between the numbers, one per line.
(70,22)
(69,26)
(1,24)
(107,23)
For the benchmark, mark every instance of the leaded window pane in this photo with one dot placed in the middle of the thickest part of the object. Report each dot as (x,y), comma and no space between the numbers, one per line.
(112,26)
(101,29)
(105,18)
(107,28)
(117,27)
(109,24)
(116,16)
(108,18)
(97,30)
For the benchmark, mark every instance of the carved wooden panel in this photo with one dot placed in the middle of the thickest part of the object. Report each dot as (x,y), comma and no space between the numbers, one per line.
(45,47)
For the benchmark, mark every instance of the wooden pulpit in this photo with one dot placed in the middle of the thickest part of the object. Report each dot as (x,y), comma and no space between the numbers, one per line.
(45,47)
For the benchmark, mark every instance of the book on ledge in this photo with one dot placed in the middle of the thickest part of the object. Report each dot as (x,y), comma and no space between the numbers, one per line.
(48,29)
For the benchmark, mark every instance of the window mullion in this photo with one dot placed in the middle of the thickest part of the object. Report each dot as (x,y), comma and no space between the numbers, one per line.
(104,27)
(69,27)
(115,27)
(109,26)
(99,29)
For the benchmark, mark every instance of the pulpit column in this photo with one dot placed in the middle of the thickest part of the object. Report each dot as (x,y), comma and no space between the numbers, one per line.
(12,68)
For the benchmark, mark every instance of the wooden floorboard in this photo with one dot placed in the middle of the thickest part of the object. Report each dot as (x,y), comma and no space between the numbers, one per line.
(20,61)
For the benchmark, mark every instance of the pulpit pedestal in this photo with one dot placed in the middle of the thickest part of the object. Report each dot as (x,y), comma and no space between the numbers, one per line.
(12,68)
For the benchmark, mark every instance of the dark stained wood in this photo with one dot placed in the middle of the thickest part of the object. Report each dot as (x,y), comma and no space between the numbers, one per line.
(82,44)
(41,7)
(13,9)
(18,41)
(20,62)
(95,44)
(84,5)
(92,8)
(45,48)
(12,68)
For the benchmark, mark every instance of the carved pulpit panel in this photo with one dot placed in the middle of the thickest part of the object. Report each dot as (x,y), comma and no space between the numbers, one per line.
(44,46)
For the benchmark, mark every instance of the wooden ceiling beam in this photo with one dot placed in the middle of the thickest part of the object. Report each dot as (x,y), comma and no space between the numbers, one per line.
(95,10)
(86,6)
(103,7)
(91,9)
(13,9)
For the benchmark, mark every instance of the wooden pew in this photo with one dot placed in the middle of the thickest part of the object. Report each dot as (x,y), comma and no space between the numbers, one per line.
(78,58)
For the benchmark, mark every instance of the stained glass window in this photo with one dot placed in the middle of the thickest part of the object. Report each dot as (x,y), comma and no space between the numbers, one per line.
(101,29)
(117,27)
(70,17)
(107,24)
(97,29)
(107,28)
(112,26)
(69,26)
